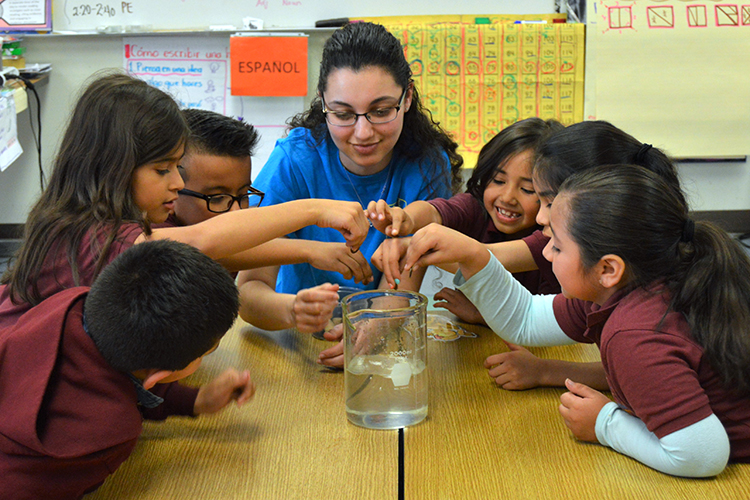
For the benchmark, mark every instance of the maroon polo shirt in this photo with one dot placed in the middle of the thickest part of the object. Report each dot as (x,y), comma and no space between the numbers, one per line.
(654,367)
(68,419)
(57,274)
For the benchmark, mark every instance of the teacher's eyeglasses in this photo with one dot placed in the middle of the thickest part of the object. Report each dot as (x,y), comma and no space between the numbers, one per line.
(220,203)
(376,116)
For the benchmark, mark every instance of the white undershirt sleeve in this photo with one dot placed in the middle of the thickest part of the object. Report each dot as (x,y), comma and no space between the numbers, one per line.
(509,309)
(698,450)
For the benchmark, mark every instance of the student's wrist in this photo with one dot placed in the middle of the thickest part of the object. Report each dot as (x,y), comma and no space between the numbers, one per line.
(290,318)
(310,207)
(306,251)
(549,373)
(477,257)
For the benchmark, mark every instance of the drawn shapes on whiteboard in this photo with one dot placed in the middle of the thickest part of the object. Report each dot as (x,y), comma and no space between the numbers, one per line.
(660,17)
(210,87)
(745,15)
(620,17)
(696,16)
(727,15)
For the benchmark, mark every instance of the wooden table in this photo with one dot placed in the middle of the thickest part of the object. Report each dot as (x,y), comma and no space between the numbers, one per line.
(293,440)
(485,442)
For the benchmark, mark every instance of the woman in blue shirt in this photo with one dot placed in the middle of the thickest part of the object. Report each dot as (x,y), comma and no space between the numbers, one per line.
(365,137)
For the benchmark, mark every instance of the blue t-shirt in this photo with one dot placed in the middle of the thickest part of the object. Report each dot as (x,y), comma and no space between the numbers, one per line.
(299,168)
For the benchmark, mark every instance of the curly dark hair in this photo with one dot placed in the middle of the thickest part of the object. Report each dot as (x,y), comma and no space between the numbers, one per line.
(361,45)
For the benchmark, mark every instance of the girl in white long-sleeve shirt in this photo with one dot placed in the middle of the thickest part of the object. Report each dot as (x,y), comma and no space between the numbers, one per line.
(665,299)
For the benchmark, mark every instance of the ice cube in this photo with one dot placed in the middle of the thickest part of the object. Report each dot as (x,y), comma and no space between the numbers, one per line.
(401,374)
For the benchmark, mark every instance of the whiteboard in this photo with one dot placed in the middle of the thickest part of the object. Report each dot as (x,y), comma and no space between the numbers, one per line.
(187,15)
(672,73)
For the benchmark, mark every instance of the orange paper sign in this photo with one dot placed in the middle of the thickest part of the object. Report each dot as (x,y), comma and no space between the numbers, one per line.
(268,65)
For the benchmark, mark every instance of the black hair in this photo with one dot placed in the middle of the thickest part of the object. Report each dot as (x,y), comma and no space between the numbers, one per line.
(629,211)
(361,45)
(519,137)
(218,135)
(590,144)
(160,305)
(119,124)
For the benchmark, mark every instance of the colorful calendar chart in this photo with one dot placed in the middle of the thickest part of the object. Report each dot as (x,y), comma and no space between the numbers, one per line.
(477,79)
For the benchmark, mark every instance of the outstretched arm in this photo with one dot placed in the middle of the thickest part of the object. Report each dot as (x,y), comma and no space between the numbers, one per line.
(327,256)
(508,308)
(260,305)
(233,232)
(514,255)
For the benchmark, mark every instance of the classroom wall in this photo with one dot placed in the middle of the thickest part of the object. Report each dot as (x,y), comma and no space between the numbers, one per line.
(717,186)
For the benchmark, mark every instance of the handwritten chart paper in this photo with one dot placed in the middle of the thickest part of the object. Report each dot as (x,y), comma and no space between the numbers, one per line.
(479,78)
(672,73)
(195,70)
(25,15)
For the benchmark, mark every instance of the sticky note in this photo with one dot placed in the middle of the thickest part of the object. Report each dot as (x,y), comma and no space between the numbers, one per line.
(268,65)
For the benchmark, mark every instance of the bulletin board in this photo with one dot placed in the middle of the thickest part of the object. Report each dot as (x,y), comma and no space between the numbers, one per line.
(477,79)
(672,73)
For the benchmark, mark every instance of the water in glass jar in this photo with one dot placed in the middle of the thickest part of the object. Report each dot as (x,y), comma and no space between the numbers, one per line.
(385,392)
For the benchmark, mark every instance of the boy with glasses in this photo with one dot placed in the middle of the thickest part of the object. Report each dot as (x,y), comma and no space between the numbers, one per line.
(217,170)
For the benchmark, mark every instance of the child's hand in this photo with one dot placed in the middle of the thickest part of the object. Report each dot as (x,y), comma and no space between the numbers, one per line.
(515,370)
(313,307)
(388,258)
(347,217)
(580,407)
(457,303)
(333,356)
(435,244)
(391,221)
(227,387)
(337,258)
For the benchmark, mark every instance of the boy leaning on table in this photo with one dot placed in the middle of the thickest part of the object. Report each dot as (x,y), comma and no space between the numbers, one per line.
(75,370)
